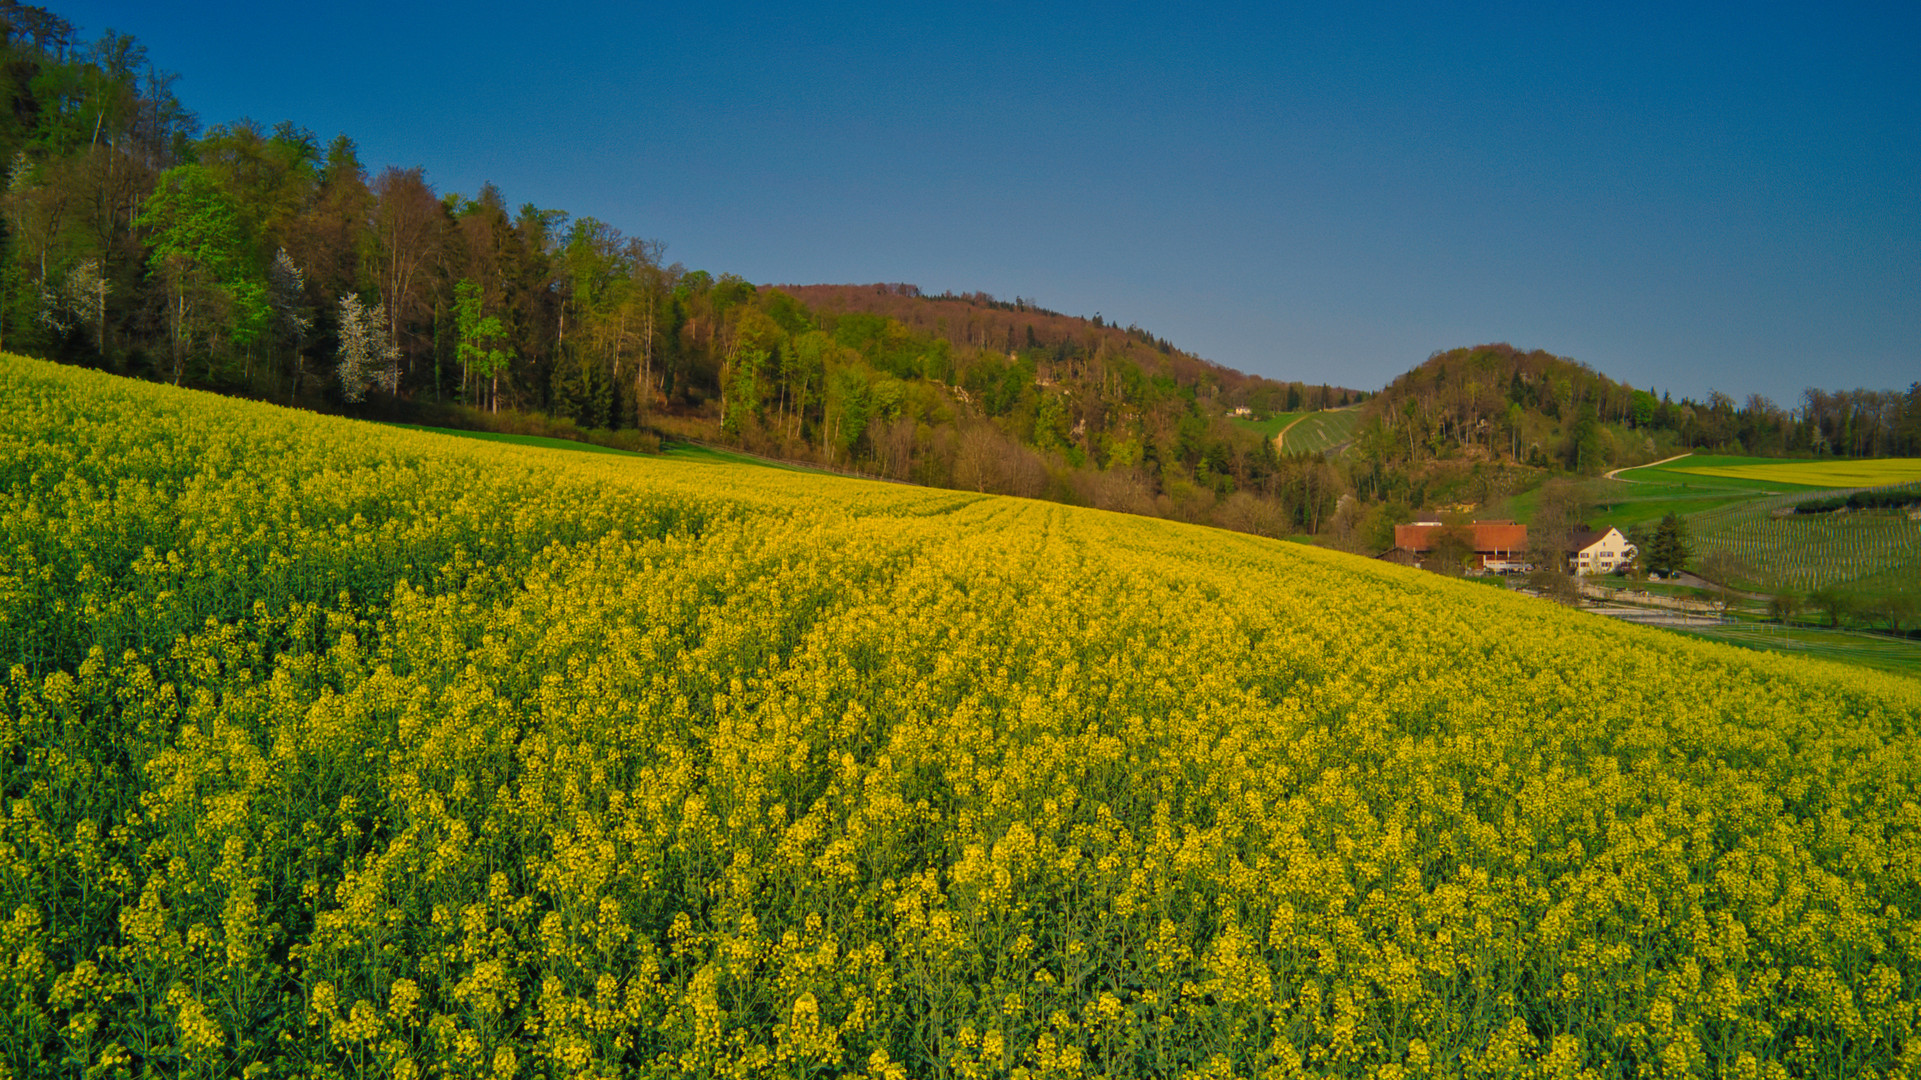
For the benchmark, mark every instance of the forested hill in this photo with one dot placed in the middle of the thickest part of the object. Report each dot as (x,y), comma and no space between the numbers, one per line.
(1071,345)
(1496,401)
(1500,404)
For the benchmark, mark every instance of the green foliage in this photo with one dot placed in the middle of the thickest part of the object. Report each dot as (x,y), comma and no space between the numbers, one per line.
(482,338)
(1587,444)
(197,246)
(850,406)
(743,399)
(1051,423)
(1643,409)
(190,223)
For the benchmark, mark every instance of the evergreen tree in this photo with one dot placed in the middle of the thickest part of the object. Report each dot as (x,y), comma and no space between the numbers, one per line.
(1668,552)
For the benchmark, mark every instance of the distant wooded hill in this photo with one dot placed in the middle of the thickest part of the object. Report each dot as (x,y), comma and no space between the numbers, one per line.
(1501,404)
(981,321)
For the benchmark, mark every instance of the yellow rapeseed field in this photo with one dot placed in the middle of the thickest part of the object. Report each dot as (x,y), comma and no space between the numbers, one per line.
(1862,472)
(331,750)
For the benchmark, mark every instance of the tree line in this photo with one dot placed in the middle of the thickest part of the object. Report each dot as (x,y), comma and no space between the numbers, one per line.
(260,261)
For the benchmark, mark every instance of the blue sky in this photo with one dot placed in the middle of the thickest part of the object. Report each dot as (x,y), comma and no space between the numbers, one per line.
(1684,197)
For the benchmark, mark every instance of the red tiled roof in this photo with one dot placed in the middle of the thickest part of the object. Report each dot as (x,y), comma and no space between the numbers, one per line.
(1488,536)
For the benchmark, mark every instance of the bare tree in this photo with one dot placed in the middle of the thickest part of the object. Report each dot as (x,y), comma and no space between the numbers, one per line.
(1722,569)
(977,460)
(407,239)
(1248,513)
(1557,513)
(1896,607)
(1783,605)
(287,295)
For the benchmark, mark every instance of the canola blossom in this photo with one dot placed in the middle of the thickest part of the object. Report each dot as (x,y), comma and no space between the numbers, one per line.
(335,750)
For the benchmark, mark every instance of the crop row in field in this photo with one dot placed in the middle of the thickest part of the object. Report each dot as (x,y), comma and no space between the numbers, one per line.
(337,750)
(1869,551)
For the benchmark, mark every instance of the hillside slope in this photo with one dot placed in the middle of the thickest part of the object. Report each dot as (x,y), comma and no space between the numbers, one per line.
(330,744)
(980,321)
(1322,432)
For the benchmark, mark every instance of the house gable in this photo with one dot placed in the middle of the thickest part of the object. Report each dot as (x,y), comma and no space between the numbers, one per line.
(1599,552)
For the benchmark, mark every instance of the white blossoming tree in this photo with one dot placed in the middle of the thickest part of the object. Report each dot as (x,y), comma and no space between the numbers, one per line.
(368,355)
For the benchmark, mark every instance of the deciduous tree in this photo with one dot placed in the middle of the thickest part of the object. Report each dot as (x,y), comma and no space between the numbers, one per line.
(1834,602)
(408,230)
(482,341)
(199,252)
(1896,607)
(367,357)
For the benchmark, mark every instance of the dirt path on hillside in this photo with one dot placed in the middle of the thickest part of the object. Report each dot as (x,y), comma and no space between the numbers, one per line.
(1282,434)
(1615,474)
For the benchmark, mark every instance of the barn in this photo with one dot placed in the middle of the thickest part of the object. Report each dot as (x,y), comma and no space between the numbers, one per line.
(1497,545)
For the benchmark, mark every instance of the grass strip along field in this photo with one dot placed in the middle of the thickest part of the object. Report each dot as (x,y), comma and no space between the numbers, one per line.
(1848,646)
(333,749)
(523,440)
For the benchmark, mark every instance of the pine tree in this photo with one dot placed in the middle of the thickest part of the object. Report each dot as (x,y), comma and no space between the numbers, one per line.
(1669,550)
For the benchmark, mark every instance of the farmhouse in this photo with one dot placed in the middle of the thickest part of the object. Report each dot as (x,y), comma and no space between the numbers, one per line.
(1497,545)
(1591,552)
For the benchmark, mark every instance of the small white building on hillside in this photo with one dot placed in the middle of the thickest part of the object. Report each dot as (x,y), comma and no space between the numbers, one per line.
(1591,552)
